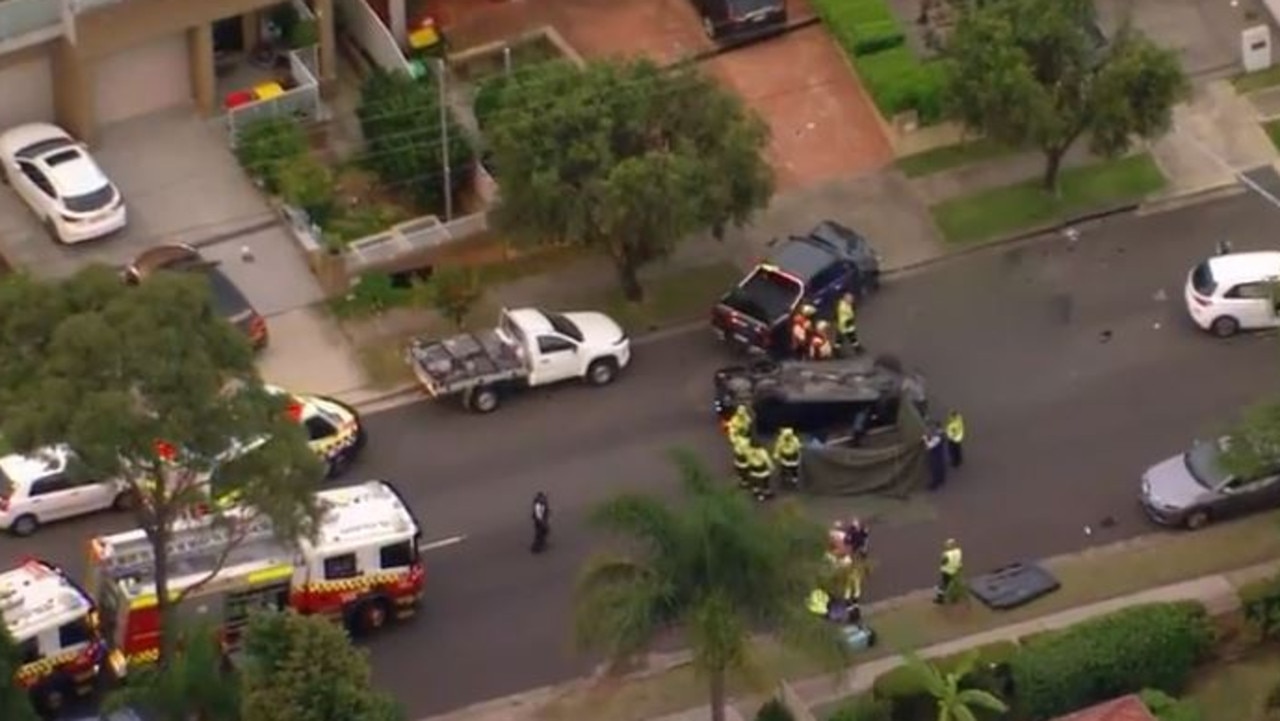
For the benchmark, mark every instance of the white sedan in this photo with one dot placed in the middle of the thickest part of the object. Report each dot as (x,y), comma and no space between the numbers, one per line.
(60,181)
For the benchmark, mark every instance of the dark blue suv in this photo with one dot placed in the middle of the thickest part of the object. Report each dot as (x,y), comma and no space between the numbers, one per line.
(814,269)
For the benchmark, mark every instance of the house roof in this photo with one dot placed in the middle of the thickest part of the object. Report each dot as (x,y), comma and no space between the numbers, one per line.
(1125,708)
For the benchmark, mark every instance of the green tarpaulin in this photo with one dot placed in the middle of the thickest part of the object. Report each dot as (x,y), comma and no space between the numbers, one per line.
(889,462)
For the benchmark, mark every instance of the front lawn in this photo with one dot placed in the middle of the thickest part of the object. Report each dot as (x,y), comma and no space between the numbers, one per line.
(947,157)
(1237,691)
(1250,82)
(991,214)
(1273,131)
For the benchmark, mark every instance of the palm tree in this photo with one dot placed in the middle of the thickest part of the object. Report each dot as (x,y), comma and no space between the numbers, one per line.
(954,703)
(713,567)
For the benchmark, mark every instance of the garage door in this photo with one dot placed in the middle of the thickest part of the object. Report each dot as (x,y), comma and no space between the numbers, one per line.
(143,80)
(28,92)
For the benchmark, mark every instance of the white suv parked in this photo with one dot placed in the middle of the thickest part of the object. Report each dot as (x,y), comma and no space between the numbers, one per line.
(1236,291)
(40,488)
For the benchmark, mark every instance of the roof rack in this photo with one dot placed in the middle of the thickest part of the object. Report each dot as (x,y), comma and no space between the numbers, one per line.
(132,553)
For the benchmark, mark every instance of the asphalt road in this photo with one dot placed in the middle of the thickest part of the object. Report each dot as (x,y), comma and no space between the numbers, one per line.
(1061,423)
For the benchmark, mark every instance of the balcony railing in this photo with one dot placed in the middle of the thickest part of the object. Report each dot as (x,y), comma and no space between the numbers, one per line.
(27,22)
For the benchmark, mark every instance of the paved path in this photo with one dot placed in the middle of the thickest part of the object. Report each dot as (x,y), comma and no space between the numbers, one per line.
(1061,425)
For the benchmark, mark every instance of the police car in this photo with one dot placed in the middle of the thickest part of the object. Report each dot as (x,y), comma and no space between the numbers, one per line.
(333,428)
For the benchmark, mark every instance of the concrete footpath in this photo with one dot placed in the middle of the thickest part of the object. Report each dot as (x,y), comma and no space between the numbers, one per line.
(1217,592)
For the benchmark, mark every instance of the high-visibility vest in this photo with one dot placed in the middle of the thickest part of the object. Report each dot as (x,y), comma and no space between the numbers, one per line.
(818,601)
(787,450)
(955,428)
(741,455)
(952,560)
(761,466)
(846,316)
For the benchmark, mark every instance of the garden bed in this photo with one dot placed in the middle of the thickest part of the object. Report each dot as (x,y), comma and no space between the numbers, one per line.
(474,65)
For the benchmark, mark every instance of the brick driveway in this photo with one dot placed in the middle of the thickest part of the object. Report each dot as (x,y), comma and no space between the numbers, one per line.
(823,124)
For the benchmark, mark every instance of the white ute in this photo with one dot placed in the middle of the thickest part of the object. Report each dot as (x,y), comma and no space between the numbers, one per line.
(529,348)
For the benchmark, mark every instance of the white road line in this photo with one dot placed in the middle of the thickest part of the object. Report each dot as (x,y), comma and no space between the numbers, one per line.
(442,543)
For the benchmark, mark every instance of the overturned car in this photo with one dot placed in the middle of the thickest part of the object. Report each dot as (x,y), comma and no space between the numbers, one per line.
(862,419)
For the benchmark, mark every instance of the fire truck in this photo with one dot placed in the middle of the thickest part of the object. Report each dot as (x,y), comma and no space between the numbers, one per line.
(361,568)
(55,626)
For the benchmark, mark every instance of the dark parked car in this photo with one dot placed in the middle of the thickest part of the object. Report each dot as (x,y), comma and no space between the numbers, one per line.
(1192,489)
(737,20)
(814,269)
(819,397)
(228,300)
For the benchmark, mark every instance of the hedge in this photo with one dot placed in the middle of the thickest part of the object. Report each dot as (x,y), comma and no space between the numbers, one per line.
(1261,603)
(902,689)
(873,39)
(864,708)
(1150,646)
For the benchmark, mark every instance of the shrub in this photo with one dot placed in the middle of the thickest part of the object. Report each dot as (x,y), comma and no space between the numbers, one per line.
(400,120)
(303,34)
(308,184)
(1261,603)
(879,42)
(372,293)
(488,100)
(774,710)
(265,146)
(451,291)
(864,708)
(898,82)
(904,691)
(1167,708)
(1150,646)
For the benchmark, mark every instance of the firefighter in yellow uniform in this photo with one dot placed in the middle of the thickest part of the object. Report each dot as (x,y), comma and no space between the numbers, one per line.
(786,453)
(949,572)
(742,459)
(955,438)
(760,471)
(741,423)
(847,324)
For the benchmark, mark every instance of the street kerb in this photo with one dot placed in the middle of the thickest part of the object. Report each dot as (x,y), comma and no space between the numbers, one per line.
(1091,578)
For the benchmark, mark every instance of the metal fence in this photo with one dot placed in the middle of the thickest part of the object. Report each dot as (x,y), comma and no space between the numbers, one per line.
(411,236)
(309,55)
(365,28)
(301,102)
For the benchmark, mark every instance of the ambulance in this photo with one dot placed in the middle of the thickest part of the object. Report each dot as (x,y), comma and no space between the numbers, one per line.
(361,568)
(55,626)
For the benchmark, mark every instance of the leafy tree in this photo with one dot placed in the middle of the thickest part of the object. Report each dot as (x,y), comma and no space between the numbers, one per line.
(625,158)
(955,703)
(712,566)
(400,120)
(452,291)
(304,668)
(1254,447)
(195,686)
(15,702)
(150,386)
(1035,73)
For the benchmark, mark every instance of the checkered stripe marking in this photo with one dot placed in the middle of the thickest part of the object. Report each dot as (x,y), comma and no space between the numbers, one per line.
(45,666)
(359,583)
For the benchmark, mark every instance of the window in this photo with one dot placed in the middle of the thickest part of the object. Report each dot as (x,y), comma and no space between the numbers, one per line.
(37,178)
(30,651)
(73,634)
(339,567)
(1202,280)
(552,344)
(91,201)
(826,278)
(1250,291)
(564,326)
(397,555)
(319,428)
(50,484)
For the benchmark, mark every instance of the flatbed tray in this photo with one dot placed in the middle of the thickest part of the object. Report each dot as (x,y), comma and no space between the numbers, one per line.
(465,361)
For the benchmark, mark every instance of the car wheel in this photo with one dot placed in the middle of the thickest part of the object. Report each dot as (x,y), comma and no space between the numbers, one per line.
(484,400)
(1197,520)
(1224,326)
(4,175)
(51,700)
(24,525)
(372,616)
(125,501)
(602,372)
(709,27)
(52,230)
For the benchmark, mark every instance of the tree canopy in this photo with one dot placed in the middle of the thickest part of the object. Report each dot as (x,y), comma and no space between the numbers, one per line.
(149,385)
(625,158)
(712,566)
(304,668)
(1254,447)
(1037,73)
(197,684)
(15,702)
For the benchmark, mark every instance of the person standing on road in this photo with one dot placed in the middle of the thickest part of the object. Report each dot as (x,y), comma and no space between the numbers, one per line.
(541,522)
(858,539)
(955,438)
(786,453)
(949,572)
(936,456)
(761,472)
(742,460)
(741,423)
(847,324)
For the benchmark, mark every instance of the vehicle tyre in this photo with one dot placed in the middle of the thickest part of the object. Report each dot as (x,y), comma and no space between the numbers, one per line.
(1224,326)
(709,27)
(4,175)
(125,501)
(484,400)
(24,525)
(52,230)
(51,699)
(1197,519)
(602,372)
(372,616)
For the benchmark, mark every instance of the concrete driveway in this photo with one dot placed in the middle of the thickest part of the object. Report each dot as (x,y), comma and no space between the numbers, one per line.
(1062,424)
(1206,33)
